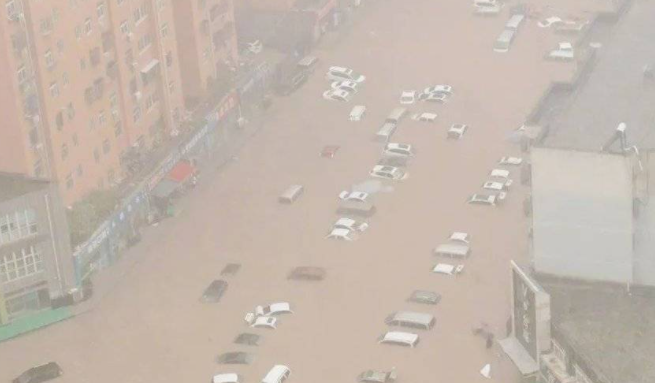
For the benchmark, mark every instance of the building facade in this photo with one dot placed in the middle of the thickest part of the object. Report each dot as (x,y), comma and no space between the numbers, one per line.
(35,253)
(86,82)
(207,40)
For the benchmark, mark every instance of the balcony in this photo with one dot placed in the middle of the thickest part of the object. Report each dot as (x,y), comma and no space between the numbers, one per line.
(553,367)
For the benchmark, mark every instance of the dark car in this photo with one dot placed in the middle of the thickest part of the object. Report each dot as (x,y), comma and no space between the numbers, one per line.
(291,83)
(235,358)
(214,291)
(307,273)
(40,373)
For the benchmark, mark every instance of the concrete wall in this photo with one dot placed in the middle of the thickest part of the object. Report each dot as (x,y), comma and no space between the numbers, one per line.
(644,255)
(582,215)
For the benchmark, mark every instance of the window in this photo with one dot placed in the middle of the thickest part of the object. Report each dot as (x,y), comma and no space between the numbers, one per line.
(59,120)
(64,78)
(102,119)
(113,101)
(69,181)
(151,101)
(140,12)
(54,89)
(87,26)
(101,10)
(161,4)
(37,168)
(111,176)
(169,59)
(145,42)
(60,46)
(70,111)
(125,27)
(92,123)
(11,8)
(80,171)
(76,140)
(17,225)
(20,263)
(46,26)
(164,30)
(82,64)
(136,113)
(171,87)
(78,32)
(64,151)
(55,15)
(49,59)
(118,128)
(96,155)
(106,146)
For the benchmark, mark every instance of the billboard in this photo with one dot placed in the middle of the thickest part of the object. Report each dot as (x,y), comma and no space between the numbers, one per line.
(530,313)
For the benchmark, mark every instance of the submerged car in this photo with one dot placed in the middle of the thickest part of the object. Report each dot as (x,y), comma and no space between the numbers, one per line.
(445,89)
(342,234)
(235,358)
(515,161)
(375,376)
(307,273)
(388,172)
(274,309)
(337,95)
(425,117)
(350,224)
(214,291)
(40,373)
(353,196)
(408,97)
(394,149)
(433,97)
(457,131)
(448,269)
(482,199)
(425,297)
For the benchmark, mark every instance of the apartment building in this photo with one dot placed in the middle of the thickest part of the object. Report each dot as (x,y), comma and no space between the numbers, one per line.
(83,84)
(207,41)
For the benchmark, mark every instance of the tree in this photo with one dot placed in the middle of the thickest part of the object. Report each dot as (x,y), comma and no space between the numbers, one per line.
(86,215)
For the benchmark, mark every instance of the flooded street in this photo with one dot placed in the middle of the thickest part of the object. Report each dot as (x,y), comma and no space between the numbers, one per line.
(151,327)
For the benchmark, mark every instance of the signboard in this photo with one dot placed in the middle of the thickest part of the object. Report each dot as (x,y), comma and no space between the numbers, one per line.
(530,313)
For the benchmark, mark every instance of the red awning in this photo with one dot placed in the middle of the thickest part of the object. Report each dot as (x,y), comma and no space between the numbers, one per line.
(181,172)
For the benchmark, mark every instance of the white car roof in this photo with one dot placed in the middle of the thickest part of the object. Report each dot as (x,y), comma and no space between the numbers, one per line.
(428,115)
(345,221)
(460,236)
(280,306)
(409,92)
(502,173)
(338,232)
(339,69)
(493,185)
(264,320)
(565,46)
(384,168)
(444,268)
(396,145)
(225,378)
(400,336)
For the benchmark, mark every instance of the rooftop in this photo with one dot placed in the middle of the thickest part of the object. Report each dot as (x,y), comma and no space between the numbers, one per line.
(15,185)
(613,331)
(616,89)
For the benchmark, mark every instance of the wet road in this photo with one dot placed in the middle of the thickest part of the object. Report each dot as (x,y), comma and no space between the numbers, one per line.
(152,328)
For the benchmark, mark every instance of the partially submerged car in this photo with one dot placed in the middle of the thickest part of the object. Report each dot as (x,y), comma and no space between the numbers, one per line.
(375,376)
(500,188)
(248,339)
(354,195)
(350,224)
(514,161)
(448,269)
(214,291)
(349,86)
(342,235)
(547,22)
(456,131)
(564,52)
(411,319)
(399,338)
(482,199)
(40,373)
(261,321)
(501,175)
(461,237)
(408,97)
(433,97)
(226,378)
(235,358)
(442,88)
(394,149)
(425,117)
(338,95)
(388,172)
(399,162)
(425,297)
(329,151)
(307,273)
(357,113)
(274,309)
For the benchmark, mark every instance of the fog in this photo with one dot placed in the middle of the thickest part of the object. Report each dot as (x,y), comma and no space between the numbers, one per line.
(378,190)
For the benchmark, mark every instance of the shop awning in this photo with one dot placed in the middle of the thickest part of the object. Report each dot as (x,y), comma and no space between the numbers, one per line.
(181,172)
(164,188)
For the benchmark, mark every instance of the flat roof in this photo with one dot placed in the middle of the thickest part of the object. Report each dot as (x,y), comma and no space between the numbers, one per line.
(615,90)
(611,330)
(14,185)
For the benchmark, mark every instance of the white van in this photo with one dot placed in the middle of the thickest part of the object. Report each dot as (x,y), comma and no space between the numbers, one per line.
(453,250)
(357,113)
(396,115)
(504,41)
(514,22)
(278,374)
(386,131)
(399,338)
(291,194)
